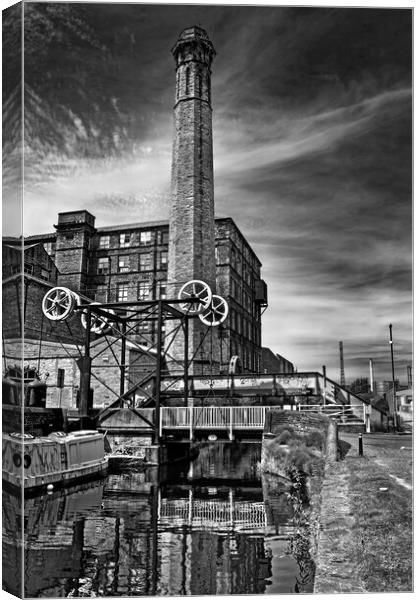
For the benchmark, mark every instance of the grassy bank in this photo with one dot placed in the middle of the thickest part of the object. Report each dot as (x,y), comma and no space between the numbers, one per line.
(381,541)
(365,543)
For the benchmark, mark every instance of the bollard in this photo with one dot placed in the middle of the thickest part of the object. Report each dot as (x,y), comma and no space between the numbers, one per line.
(360,446)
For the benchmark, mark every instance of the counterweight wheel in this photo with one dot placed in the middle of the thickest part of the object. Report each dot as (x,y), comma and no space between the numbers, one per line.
(197,288)
(98,323)
(216,313)
(58,304)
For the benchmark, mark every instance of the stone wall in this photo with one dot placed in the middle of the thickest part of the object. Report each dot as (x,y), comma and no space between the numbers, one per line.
(50,356)
(275,421)
(302,422)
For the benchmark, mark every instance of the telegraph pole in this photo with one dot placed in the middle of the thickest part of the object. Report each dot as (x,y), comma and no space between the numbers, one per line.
(392,376)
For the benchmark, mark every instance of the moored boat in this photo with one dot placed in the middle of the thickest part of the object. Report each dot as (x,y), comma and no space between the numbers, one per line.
(53,460)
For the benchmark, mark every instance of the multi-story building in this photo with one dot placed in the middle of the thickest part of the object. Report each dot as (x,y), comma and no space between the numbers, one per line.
(129,263)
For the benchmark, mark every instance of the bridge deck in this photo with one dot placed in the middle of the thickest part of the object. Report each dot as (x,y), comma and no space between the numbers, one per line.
(230,418)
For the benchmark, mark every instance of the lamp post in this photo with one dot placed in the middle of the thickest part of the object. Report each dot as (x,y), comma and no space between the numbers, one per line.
(392,377)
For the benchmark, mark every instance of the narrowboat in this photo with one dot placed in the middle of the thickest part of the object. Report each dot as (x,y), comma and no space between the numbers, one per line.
(57,459)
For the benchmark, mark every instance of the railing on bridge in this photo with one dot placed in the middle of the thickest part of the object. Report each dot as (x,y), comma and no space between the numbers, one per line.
(230,418)
(213,418)
(351,414)
(213,513)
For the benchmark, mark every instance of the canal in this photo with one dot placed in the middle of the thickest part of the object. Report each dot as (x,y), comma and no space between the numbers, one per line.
(208,526)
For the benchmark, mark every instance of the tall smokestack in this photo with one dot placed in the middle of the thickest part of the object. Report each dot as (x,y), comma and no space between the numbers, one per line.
(371,376)
(192,227)
(342,368)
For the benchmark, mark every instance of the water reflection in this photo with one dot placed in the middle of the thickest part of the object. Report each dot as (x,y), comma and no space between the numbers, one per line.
(196,532)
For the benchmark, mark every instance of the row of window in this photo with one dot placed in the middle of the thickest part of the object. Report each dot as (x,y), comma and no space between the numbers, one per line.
(242,267)
(125,263)
(28,269)
(243,326)
(144,291)
(131,239)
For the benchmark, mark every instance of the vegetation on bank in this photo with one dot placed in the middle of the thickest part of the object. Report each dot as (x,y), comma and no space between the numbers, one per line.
(294,449)
(367,543)
(381,538)
(300,457)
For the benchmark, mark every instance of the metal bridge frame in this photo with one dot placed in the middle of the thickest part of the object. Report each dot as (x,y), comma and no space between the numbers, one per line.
(126,313)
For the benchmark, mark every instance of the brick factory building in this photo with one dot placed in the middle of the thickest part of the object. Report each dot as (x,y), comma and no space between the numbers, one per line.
(129,263)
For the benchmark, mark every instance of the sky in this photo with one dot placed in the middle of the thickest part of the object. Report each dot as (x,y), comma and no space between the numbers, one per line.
(312,130)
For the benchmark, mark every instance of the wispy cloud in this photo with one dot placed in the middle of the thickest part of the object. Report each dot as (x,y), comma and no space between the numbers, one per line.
(312,154)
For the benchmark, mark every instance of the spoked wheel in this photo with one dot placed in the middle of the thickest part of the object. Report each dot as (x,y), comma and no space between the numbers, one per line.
(58,304)
(216,313)
(98,323)
(199,289)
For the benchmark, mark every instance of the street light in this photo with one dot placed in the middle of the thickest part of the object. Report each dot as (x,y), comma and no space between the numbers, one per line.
(392,377)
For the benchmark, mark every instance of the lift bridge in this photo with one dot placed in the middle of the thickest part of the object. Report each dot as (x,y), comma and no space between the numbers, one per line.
(161,405)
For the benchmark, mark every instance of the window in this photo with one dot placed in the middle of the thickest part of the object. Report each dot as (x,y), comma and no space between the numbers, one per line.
(123,264)
(163,259)
(145,262)
(142,327)
(45,274)
(103,265)
(162,290)
(233,257)
(165,237)
(104,241)
(145,237)
(122,292)
(143,290)
(48,247)
(28,268)
(101,294)
(124,240)
(232,319)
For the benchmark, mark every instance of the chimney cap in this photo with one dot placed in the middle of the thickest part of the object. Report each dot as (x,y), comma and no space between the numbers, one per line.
(194,34)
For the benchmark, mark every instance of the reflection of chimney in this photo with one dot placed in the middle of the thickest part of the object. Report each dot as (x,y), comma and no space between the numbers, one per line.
(371,376)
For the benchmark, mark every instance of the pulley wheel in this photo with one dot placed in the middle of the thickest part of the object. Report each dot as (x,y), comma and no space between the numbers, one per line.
(58,304)
(98,323)
(197,288)
(235,366)
(216,313)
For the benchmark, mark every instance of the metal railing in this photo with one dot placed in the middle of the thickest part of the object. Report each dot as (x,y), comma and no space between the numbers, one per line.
(343,413)
(213,417)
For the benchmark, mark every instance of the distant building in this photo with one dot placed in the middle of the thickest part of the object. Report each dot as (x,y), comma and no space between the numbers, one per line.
(275,363)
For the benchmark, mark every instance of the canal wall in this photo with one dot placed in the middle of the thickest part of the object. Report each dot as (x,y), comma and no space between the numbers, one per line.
(323,517)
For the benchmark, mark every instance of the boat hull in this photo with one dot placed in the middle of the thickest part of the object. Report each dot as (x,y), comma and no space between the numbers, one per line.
(59,460)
